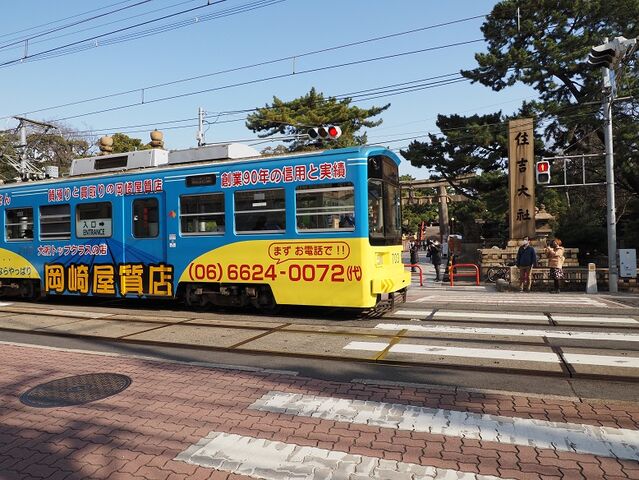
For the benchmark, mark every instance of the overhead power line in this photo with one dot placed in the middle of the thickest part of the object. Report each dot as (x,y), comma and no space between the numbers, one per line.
(69,25)
(273,77)
(145,89)
(103,39)
(217,115)
(9,34)
(128,18)
(96,37)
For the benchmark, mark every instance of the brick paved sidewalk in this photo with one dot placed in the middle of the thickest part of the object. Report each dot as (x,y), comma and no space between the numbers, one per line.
(172,410)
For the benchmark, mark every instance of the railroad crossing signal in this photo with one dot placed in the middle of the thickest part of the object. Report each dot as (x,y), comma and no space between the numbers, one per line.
(542,172)
(330,132)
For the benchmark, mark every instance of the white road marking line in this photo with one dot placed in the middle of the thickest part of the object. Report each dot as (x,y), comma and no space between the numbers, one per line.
(472,297)
(584,319)
(601,360)
(367,346)
(5,304)
(618,304)
(78,314)
(462,314)
(444,351)
(505,315)
(271,460)
(512,332)
(569,437)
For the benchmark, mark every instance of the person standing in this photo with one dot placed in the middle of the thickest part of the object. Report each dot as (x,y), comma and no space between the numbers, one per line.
(556,259)
(526,260)
(436,258)
(414,256)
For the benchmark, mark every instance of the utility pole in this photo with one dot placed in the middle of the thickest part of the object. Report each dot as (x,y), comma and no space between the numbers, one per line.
(609,56)
(444,231)
(23,151)
(611,215)
(26,168)
(200,127)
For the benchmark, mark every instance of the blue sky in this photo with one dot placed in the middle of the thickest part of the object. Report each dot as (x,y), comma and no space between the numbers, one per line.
(278,30)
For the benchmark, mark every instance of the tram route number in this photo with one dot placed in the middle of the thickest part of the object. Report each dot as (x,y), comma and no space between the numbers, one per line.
(259,273)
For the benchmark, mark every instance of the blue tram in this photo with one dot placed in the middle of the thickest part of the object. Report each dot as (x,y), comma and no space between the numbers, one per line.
(320,228)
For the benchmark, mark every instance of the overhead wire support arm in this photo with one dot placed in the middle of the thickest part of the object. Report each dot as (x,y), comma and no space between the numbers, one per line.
(565,159)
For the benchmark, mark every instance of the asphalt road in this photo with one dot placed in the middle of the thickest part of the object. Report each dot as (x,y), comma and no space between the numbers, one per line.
(572,345)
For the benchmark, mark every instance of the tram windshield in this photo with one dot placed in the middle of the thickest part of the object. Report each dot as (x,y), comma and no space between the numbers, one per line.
(384,206)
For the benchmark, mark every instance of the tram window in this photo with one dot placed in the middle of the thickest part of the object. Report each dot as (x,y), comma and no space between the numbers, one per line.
(93,220)
(145,218)
(260,211)
(393,212)
(321,208)
(55,222)
(19,224)
(202,214)
(376,208)
(384,209)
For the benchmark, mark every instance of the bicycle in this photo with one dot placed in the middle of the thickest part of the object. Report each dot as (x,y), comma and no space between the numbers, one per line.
(495,273)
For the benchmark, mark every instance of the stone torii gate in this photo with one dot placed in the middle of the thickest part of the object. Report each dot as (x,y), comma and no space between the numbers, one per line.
(442,197)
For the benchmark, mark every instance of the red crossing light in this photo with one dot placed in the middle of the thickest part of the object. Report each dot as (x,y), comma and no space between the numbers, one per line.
(330,132)
(542,172)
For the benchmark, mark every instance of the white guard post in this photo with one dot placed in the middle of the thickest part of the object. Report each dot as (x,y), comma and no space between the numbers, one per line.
(591,285)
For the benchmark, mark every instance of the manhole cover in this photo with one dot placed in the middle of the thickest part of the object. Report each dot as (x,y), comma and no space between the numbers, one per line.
(75,390)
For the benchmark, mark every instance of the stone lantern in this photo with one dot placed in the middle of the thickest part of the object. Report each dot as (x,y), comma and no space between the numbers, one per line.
(543,229)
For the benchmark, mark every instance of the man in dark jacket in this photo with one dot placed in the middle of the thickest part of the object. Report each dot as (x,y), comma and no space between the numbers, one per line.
(436,257)
(526,260)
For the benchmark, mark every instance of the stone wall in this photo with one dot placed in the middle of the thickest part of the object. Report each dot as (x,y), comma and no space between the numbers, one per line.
(495,257)
(575,277)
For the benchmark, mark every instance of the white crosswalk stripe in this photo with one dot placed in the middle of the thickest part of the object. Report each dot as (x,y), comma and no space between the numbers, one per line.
(601,360)
(589,319)
(270,460)
(448,296)
(471,315)
(569,437)
(467,352)
(532,317)
(513,355)
(511,332)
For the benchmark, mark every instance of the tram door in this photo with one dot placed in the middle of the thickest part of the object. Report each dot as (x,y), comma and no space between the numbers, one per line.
(144,244)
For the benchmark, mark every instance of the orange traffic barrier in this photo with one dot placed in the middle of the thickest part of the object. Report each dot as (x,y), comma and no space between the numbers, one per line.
(452,273)
(421,273)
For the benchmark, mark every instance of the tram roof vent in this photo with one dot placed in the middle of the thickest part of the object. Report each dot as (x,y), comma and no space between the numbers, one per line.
(119,161)
(228,151)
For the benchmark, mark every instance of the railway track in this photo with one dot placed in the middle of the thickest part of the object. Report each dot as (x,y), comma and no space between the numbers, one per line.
(577,345)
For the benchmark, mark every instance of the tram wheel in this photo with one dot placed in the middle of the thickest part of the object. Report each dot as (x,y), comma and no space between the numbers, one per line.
(192,299)
(27,290)
(267,304)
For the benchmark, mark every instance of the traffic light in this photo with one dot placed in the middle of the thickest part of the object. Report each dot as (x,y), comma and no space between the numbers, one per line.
(330,132)
(611,53)
(542,172)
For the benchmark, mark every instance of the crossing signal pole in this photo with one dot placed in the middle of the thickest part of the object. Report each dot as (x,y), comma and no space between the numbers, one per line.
(608,56)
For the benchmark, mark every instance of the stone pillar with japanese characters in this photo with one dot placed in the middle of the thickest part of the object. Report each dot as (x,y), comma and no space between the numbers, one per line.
(521,179)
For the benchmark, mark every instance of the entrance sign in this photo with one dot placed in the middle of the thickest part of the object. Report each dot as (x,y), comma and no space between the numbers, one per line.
(521,178)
